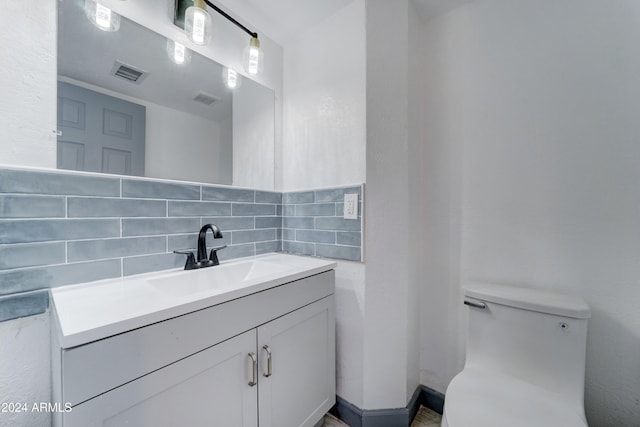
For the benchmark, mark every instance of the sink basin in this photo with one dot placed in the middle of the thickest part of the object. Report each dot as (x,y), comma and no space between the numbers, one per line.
(224,277)
(92,311)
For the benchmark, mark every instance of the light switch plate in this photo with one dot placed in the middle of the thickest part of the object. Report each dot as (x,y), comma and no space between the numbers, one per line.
(351,206)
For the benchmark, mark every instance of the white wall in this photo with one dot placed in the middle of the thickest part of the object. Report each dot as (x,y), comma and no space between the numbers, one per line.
(350,299)
(324,110)
(389,312)
(25,369)
(28,83)
(27,123)
(532,127)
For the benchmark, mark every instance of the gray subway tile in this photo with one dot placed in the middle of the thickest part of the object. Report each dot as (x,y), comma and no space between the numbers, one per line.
(138,188)
(31,182)
(298,222)
(248,236)
(266,247)
(78,207)
(279,210)
(300,248)
(190,242)
(23,305)
(298,197)
(288,234)
(182,242)
(316,209)
(278,233)
(29,279)
(237,251)
(340,224)
(288,210)
(336,194)
(85,250)
(227,194)
(314,236)
(268,197)
(149,263)
(231,223)
(268,222)
(199,208)
(157,226)
(25,231)
(350,253)
(31,254)
(244,209)
(224,240)
(351,238)
(31,207)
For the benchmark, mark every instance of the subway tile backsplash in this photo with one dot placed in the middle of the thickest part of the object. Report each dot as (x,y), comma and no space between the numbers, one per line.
(59,228)
(313,224)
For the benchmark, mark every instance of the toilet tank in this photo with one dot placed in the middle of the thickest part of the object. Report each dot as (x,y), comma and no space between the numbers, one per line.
(534,335)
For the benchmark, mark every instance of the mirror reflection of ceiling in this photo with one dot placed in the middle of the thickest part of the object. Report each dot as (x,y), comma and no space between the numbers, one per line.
(87,54)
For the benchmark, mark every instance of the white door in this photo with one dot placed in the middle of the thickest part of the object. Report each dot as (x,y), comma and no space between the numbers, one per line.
(300,387)
(209,388)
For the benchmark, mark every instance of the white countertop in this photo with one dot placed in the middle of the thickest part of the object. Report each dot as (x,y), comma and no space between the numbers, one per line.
(91,311)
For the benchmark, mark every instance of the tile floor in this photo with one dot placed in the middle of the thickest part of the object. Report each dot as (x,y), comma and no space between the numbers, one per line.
(425,418)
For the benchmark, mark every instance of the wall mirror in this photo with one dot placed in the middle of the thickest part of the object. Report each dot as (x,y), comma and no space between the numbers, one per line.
(125,107)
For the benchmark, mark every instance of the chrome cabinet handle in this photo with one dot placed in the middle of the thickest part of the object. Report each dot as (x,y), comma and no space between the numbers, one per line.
(268,350)
(254,362)
(480,305)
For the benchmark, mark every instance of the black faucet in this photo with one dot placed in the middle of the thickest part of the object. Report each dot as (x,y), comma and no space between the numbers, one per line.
(202,245)
(202,260)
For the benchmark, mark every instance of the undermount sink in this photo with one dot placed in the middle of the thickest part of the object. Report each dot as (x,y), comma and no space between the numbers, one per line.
(223,277)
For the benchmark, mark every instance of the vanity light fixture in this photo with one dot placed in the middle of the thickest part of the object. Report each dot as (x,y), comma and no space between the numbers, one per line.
(178,52)
(197,25)
(253,57)
(101,16)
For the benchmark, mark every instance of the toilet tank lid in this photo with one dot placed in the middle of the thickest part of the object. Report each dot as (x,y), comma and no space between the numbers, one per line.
(539,300)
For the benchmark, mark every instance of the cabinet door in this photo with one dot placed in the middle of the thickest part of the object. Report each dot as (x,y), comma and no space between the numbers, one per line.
(301,387)
(208,388)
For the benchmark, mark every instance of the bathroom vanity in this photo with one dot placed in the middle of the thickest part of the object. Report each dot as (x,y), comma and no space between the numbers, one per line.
(244,343)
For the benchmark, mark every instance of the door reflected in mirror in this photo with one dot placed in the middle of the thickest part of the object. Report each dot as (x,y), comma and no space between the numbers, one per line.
(126,107)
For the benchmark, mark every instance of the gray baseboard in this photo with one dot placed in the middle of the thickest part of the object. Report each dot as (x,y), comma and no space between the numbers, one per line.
(396,417)
(434,400)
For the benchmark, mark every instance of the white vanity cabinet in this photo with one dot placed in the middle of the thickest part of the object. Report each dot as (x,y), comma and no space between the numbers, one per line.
(299,388)
(196,391)
(266,359)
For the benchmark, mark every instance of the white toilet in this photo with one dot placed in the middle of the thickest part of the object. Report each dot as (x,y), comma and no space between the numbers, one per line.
(525,360)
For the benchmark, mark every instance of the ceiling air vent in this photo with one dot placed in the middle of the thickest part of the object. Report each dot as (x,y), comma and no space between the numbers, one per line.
(128,72)
(205,98)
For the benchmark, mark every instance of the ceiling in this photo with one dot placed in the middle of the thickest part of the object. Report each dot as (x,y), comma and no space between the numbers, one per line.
(281,20)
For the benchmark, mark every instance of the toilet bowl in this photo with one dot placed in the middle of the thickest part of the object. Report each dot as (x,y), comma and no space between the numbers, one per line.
(525,360)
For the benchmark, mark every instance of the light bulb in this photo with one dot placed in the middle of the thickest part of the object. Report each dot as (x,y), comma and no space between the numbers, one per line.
(197,24)
(253,57)
(178,53)
(101,16)
(231,78)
